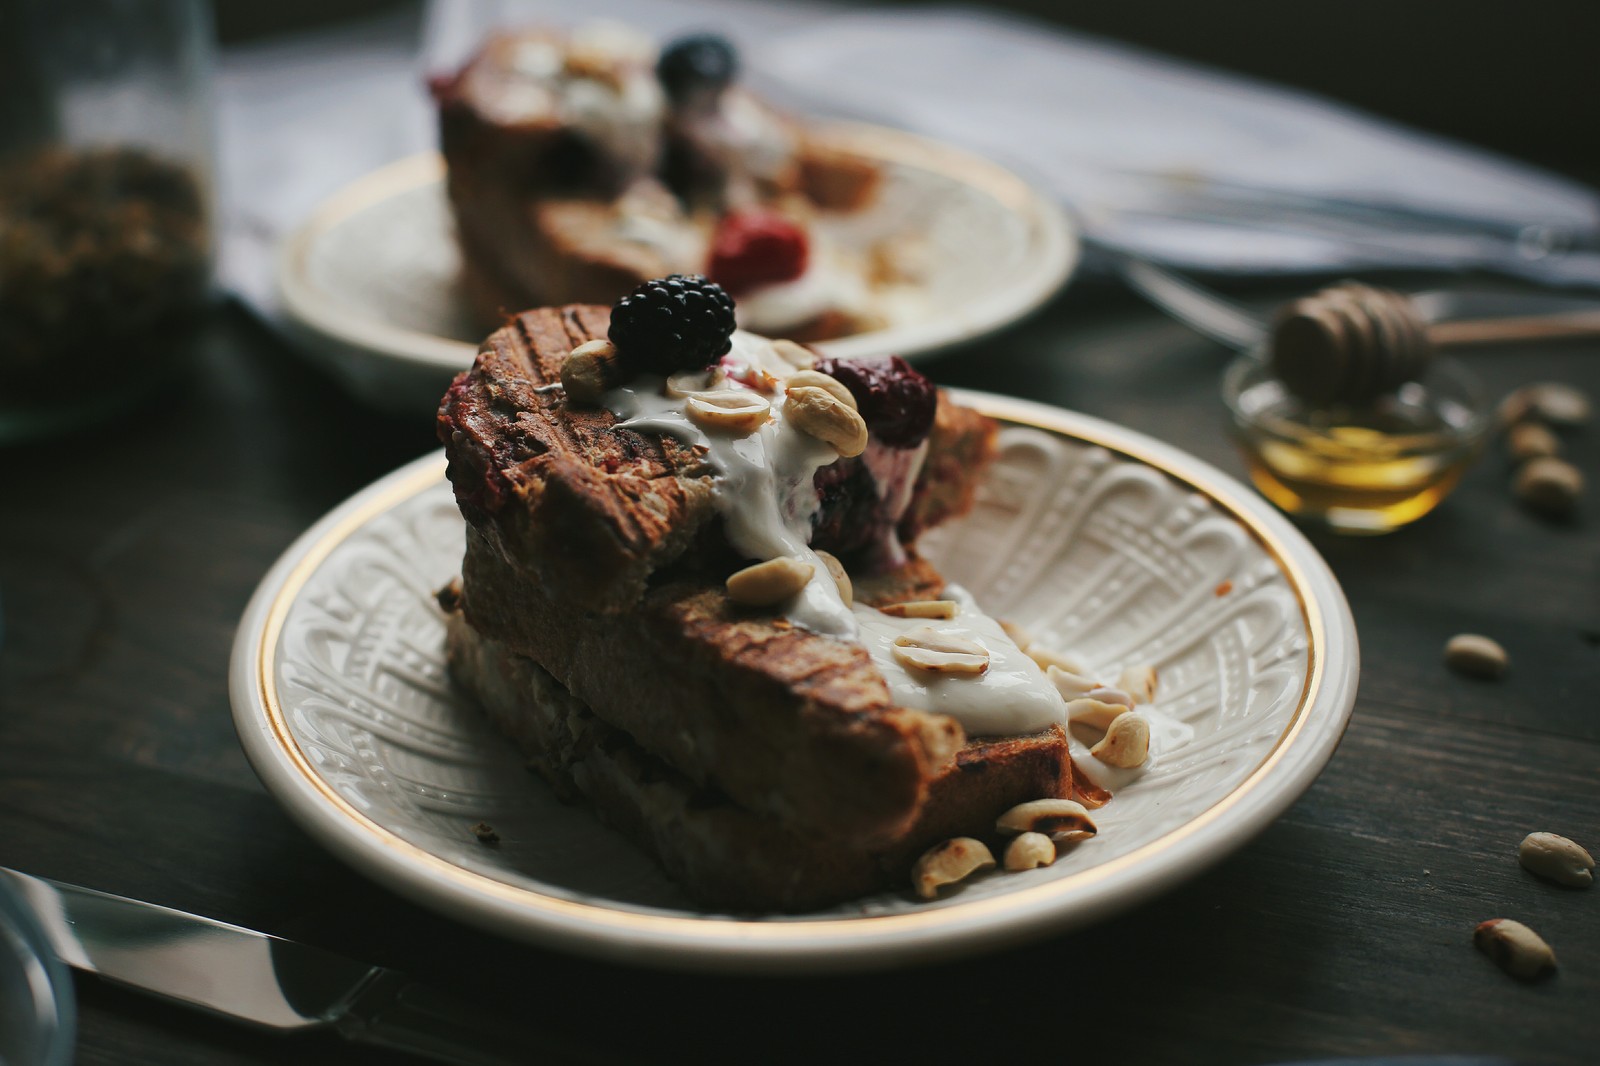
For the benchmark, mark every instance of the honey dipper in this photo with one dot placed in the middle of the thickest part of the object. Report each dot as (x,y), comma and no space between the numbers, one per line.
(1351,343)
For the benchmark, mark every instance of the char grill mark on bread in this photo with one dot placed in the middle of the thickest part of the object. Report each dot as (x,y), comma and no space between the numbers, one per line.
(537,475)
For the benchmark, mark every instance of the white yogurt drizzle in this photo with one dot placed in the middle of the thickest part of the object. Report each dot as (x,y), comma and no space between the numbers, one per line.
(1012,696)
(767,500)
(765,495)
(1167,734)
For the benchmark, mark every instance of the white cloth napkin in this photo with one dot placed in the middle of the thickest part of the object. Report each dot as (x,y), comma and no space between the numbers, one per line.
(1166,159)
(1171,160)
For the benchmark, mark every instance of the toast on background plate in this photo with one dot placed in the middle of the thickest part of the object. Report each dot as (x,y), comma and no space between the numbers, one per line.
(583,163)
(679,538)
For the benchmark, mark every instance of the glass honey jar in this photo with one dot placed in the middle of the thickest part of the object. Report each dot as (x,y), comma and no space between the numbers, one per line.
(1360,468)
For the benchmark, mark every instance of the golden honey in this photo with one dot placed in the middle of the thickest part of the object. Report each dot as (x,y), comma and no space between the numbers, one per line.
(1353,478)
(1359,471)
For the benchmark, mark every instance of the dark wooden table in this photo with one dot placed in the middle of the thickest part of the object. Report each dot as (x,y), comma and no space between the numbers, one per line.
(128,551)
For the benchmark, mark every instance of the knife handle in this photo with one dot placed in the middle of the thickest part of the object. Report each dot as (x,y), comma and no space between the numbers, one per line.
(405,1015)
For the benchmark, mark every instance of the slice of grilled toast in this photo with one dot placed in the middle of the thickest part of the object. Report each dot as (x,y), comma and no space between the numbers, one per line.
(595,569)
(587,514)
(594,551)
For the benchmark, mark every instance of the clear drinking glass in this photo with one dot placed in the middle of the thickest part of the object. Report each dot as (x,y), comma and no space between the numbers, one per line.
(38,1010)
(106,153)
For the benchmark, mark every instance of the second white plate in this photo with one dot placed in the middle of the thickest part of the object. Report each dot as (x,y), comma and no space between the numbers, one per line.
(369,281)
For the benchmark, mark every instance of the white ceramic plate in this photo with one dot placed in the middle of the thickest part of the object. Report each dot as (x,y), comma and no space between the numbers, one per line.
(1100,540)
(369,281)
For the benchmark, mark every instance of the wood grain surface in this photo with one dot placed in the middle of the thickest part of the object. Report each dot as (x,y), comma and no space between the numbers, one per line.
(128,550)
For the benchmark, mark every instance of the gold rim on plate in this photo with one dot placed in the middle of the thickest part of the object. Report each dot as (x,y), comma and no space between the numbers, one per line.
(773,937)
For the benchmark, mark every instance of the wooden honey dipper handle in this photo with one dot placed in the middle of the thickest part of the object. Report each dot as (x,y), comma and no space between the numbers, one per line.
(1525,328)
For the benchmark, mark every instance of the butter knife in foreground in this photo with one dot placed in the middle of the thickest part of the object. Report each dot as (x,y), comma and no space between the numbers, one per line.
(274,983)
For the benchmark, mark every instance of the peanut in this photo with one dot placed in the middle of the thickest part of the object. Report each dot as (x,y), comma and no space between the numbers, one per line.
(591,369)
(1126,743)
(769,583)
(736,411)
(819,413)
(1556,858)
(1476,656)
(1030,851)
(1515,948)
(948,863)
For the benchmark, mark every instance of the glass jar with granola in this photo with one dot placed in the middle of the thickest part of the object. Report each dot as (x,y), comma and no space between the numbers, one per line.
(105,204)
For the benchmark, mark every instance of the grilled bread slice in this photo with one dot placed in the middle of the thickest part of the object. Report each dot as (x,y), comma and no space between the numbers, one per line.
(595,553)
(722,854)
(587,514)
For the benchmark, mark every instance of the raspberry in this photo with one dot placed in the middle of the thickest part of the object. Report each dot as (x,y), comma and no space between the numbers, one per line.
(697,68)
(756,248)
(897,402)
(682,322)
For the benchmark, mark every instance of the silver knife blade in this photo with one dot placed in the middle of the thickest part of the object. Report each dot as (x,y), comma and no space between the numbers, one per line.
(269,981)
(199,961)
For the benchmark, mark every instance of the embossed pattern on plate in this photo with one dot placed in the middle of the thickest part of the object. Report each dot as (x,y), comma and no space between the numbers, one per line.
(1100,554)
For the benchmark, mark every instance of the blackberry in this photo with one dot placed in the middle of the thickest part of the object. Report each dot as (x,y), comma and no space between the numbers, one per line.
(697,67)
(682,322)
